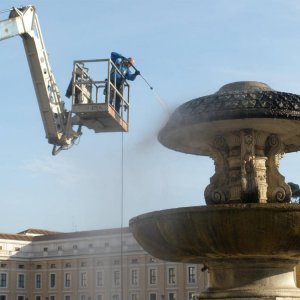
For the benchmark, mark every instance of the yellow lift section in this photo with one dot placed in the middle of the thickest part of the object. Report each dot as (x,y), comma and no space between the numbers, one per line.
(93,92)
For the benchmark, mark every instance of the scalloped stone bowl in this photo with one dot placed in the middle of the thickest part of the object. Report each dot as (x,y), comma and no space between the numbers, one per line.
(244,104)
(197,234)
(250,250)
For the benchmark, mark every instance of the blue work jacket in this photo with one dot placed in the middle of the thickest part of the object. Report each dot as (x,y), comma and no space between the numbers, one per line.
(118,60)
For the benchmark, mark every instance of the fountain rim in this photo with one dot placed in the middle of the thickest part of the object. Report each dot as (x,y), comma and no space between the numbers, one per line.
(223,231)
(220,207)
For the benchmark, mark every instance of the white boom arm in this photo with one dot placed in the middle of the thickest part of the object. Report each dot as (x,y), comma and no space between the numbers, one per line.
(87,108)
(56,120)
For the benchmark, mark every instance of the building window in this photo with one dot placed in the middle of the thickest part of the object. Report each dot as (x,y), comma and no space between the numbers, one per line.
(21,266)
(20,297)
(52,266)
(134,261)
(21,281)
(152,296)
(116,278)
(3,280)
(38,281)
(2,297)
(3,265)
(45,249)
(191,274)
(100,297)
(134,297)
(134,277)
(171,276)
(59,248)
(67,297)
(99,278)
(75,247)
(116,262)
(38,298)
(52,297)
(190,296)
(68,265)
(115,297)
(152,276)
(171,296)
(83,264)
(67,280)
(83,279)
(38,266)
(52,281)
(82,297)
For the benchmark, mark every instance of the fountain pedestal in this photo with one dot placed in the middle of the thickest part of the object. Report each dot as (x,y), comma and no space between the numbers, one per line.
(251,279)
(248,235)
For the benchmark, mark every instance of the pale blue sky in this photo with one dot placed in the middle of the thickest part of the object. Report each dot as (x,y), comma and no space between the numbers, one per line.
(185,49)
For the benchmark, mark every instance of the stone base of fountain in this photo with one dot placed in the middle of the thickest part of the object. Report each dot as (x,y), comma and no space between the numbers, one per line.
(250,250)
(259,278)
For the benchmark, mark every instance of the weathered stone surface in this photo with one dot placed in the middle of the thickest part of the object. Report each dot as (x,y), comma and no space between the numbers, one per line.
(246,127)
(235,106)
(250,250)
(197,234)
(249,242)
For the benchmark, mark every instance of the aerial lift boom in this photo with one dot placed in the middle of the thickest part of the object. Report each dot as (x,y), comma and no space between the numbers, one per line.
(86,107)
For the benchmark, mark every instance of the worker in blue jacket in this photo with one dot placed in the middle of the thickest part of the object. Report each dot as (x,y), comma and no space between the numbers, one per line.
(123,64)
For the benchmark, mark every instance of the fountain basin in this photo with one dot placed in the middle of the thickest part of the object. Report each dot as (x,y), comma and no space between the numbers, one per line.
(200,234)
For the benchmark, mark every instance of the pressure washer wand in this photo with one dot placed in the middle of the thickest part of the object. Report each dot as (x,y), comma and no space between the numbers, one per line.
(151,88)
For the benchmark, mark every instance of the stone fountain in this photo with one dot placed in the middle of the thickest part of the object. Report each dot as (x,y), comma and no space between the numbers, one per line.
(248,235)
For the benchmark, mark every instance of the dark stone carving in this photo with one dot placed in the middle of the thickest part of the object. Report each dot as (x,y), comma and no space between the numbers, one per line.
(239,104)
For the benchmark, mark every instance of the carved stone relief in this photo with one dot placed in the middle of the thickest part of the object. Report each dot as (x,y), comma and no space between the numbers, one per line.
(246,169)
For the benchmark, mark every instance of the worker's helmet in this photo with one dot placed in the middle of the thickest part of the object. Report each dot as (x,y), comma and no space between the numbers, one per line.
(131,60)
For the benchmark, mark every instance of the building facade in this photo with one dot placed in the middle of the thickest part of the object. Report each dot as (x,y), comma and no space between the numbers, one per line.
(90,265)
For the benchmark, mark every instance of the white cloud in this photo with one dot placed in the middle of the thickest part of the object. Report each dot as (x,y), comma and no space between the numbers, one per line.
(61,170)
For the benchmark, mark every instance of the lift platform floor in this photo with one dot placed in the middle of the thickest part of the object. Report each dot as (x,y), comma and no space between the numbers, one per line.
(101,117)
